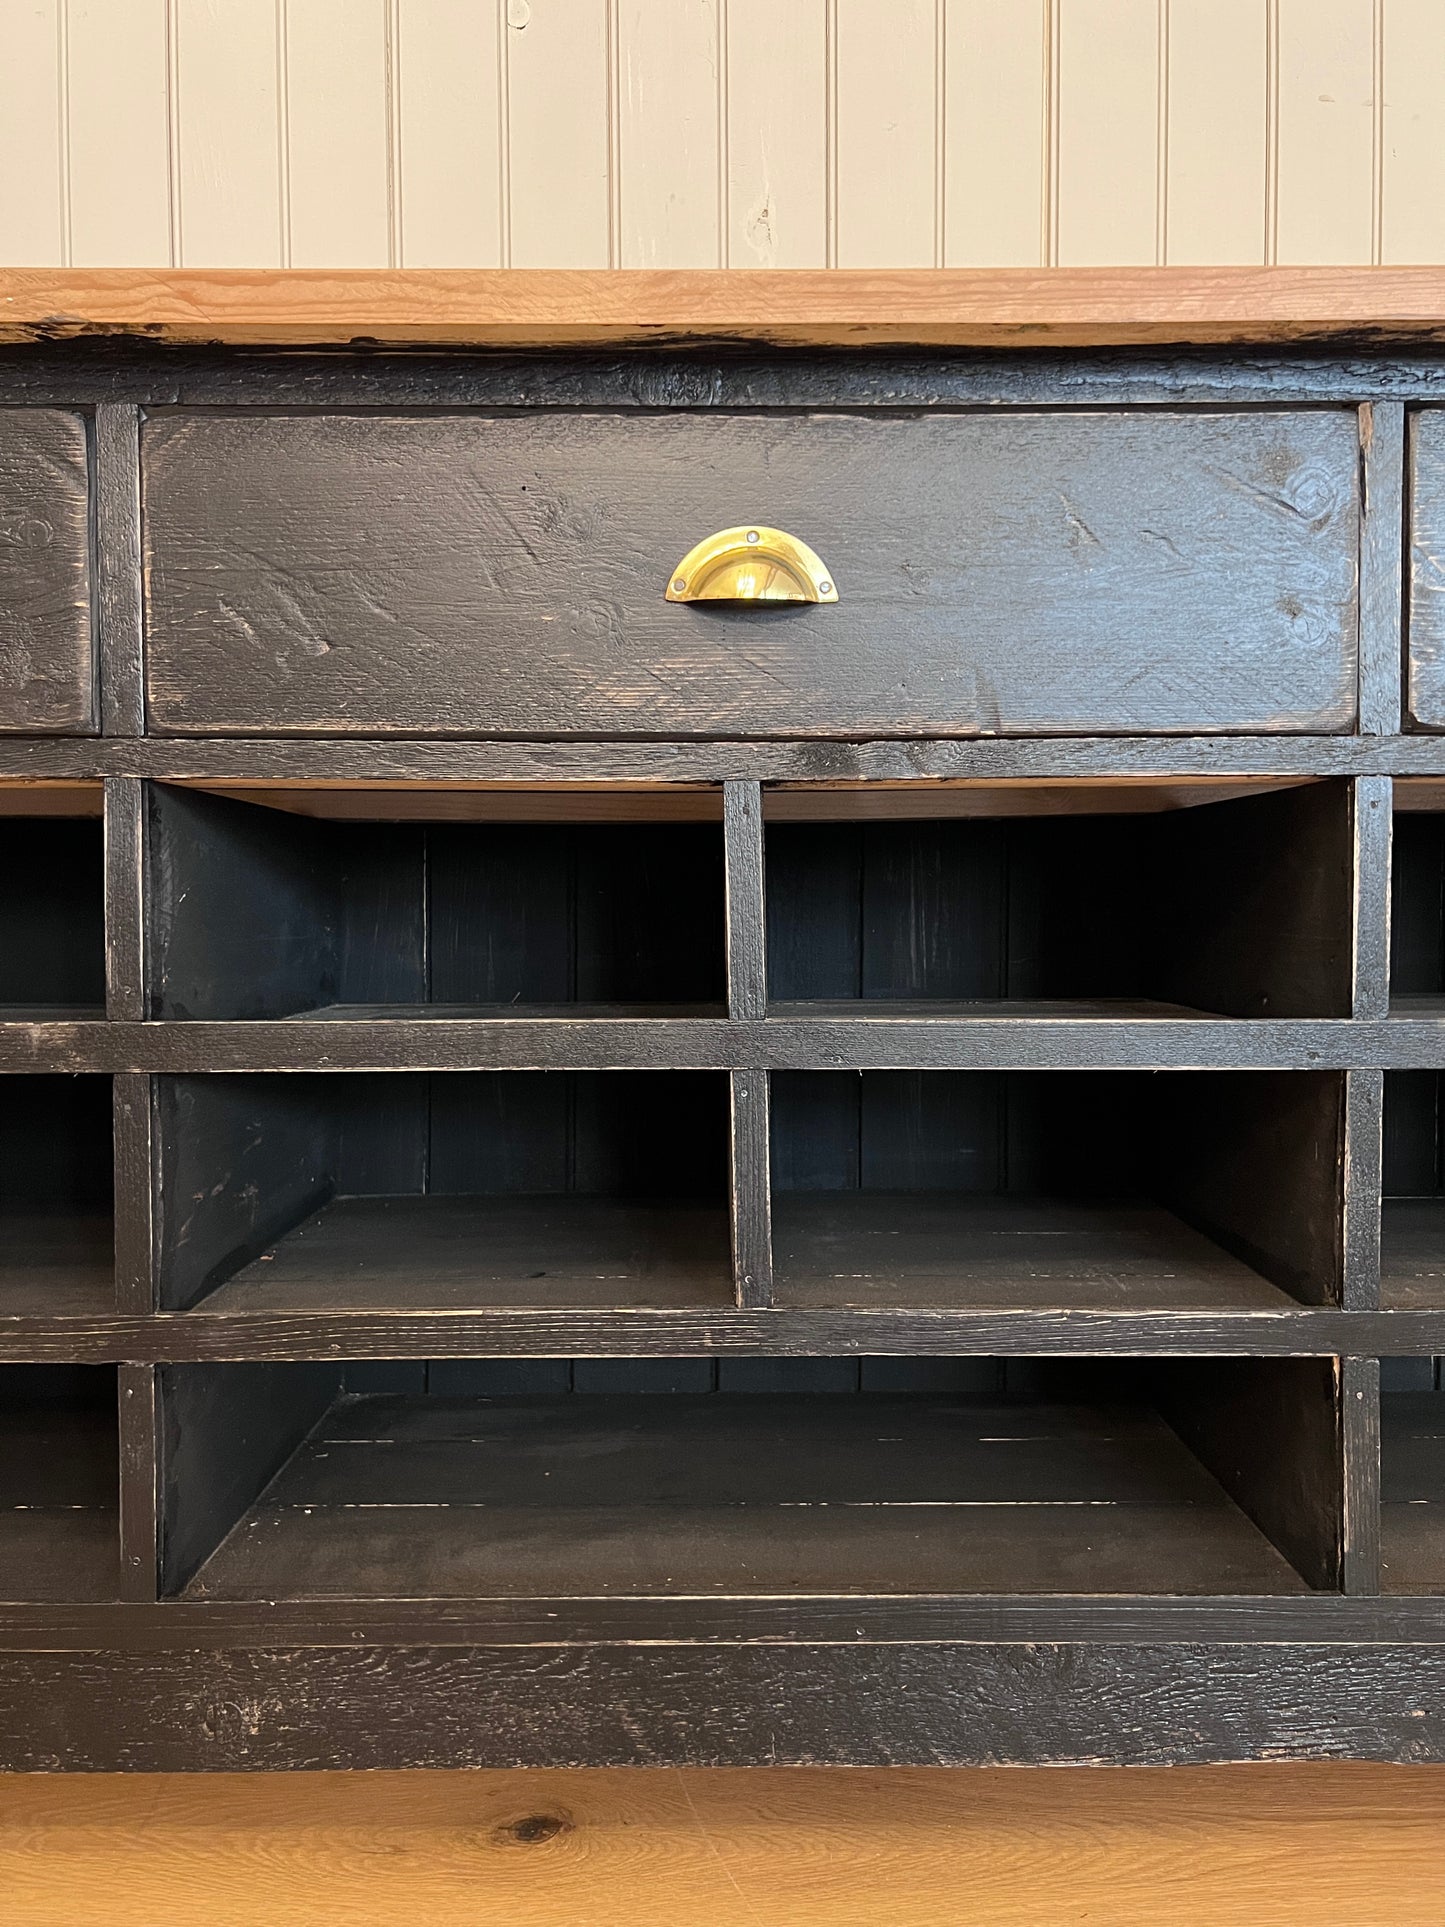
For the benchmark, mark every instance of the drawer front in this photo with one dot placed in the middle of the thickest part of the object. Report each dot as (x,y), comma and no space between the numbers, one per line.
(997,573)
(1425,668)
(47,670)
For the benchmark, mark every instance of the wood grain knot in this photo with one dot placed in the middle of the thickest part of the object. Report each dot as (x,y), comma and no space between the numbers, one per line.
(532,1830)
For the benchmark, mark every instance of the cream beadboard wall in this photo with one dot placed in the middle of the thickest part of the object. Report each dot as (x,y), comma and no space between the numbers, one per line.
(720,133)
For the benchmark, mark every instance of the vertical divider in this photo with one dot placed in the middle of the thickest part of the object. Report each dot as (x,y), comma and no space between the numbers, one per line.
(1360,1445)
(139,1421)
(750,1191)
(1363,1186)
(126,1001)
(1370,938)
(749,1176)
(1382,549)
(1274,1432)
(125,904)
(133,1099)
(746,927)
(118,568)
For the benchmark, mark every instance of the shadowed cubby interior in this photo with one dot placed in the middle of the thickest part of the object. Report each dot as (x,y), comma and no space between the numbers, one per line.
(59,1483)
(57,1246)
(1412,1225)
(1417,902)
(473,1188)
(1412,1476)
(752,1477)
(1238,908)
(1196,1190)
(1412,1233)
(52,916)
(261,912)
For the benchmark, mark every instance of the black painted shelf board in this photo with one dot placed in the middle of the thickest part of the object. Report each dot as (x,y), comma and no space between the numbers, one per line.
(957,1252)
(459,1253)
(850,1620)
(403,1332)
(364,762)
(1131,1010)
(59,1521)
(57,1264)
(675,1495)
(1412,1494)
(579,1013)
(874,1042)
(51,1013)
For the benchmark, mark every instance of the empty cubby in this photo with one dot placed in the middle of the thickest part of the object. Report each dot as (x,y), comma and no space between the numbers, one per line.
(1144,901)
(52,911)
(1412,1225)
(459,1189)
(262,912)
(1417,900)
(904,1476)
(1412,1476)
(1179,1191)
(59,1483)
(57,1246)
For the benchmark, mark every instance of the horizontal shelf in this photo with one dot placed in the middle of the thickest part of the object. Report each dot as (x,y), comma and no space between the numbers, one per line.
(881,1041)
(832,1010)
(52,1013)
(454,765)
(398,1331)
(509,1013)
(1013,1010)
(894,1249)
(554,1622)
(677,1496)
(583,307)
(455,1254)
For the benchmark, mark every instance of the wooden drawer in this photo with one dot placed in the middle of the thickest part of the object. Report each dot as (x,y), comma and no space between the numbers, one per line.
(999,573)
(1425,669)
(47,674)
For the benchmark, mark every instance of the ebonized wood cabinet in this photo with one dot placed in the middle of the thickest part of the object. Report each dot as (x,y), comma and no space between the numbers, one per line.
(592,1180)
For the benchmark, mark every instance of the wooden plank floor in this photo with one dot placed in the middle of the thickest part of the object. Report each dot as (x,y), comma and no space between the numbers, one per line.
(1267,1844)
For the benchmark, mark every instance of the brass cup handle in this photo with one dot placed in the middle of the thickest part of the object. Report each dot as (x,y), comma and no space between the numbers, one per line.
(752,564)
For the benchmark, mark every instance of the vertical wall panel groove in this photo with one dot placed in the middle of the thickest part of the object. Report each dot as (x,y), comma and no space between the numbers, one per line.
(1216,160)
(118,104)
(1326,140)
(1412,147)
(831,162)
(446,134)
(173,144)
(227,112)
(887,128)
(668,133)
(337,134)
(283,126)
(1161,134)
(1271,133)
(32,226)
(994,172)
(560,172)
(776,190)
(1108,132)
